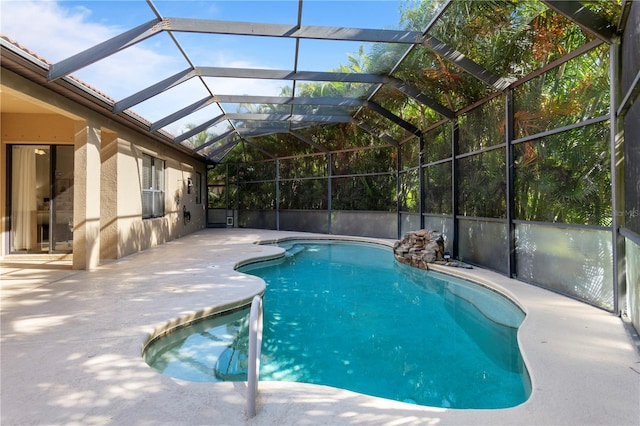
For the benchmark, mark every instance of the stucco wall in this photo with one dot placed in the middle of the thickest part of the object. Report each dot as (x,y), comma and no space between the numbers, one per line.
(37,128)
(136,234)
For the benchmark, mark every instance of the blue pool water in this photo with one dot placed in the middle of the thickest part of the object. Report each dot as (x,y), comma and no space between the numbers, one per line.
(347,315)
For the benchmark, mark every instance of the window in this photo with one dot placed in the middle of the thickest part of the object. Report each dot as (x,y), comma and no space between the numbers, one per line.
(152,187)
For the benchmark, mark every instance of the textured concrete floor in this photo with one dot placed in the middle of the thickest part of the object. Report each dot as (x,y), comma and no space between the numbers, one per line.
(71,349)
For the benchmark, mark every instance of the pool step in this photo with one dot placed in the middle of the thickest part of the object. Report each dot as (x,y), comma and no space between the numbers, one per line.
(293,250)
(232,365)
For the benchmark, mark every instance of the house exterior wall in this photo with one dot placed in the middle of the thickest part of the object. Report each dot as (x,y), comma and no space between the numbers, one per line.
(135,234)
(108,220)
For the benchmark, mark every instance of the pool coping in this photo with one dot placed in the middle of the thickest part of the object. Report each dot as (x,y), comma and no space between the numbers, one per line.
(71,349)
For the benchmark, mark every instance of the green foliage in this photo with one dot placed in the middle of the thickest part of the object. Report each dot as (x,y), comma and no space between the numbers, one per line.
(482,127)
(437,197)
(482,185)
(263,171)
(307,194)
(565,177)
(410,153)
(409,195)
(438,143)
(303,167)
(370,193)
(217,196)
(576,91)
(364,161)
(257,196)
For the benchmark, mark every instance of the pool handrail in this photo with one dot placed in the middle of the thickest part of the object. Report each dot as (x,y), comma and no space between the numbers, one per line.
(255,346)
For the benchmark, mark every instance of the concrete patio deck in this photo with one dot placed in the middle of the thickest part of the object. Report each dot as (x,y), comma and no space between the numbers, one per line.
(71,349)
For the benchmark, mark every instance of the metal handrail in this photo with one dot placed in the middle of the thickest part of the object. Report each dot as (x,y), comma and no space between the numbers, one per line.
(255,346)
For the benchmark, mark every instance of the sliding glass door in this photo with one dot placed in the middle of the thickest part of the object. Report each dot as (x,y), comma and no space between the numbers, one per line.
(41,198)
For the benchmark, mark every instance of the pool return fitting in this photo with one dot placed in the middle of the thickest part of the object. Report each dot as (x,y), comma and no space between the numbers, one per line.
(255,346)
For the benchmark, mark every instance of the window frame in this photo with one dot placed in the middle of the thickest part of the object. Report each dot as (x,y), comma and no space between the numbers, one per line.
(153,203)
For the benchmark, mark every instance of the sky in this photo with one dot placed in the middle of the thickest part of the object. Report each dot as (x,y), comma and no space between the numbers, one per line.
(56,30)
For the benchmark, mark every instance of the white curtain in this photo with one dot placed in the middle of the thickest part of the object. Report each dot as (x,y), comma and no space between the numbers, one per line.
(23,198)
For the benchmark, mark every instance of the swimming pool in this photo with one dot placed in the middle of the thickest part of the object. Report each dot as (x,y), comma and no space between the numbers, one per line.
(347,315)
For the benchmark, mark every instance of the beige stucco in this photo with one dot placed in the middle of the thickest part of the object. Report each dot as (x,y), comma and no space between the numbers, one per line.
(107,210)
(109,195)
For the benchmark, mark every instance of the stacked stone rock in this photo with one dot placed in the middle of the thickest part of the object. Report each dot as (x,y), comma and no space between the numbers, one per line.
(419,248)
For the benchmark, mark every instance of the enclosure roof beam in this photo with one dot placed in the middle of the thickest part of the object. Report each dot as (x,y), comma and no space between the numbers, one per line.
(245,99)
(104,49)
(291,31)
(309,118)
(269,74)
(144,31)
(394,118)
(285,100)
(225,148)
(218,158)
(343,118)
(310,142)
(213,140)
(260,131)
(405,55)
(165,121)
(201,128)
(460,60)
(257,148)
(188,73)
(328,76)
(421,97)
(223,72)
(154,90)
(585,18)
(381,135)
